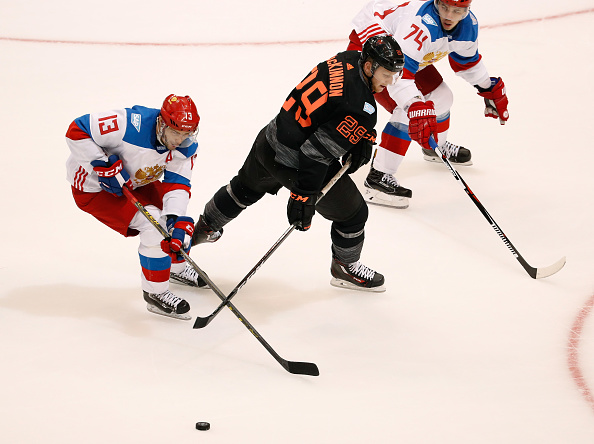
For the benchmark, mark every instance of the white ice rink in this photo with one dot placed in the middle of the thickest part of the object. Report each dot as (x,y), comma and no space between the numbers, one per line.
(463,348)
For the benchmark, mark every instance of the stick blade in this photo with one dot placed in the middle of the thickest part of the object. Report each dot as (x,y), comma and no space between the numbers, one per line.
(302,368)
(551,269)
(201,322)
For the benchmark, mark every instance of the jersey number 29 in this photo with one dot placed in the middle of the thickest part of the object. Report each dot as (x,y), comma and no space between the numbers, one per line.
(305,106)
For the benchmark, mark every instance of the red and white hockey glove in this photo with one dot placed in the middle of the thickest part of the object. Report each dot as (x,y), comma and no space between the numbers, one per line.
(112,175)
(180,229)
(495,100)
(422,122)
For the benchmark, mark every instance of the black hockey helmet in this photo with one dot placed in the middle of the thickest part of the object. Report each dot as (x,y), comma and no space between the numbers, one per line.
(384,51)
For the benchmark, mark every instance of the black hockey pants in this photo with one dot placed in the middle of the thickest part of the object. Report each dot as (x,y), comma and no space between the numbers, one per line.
(260,174)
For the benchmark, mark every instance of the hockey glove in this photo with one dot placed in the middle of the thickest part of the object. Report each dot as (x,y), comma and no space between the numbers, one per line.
(361,154)
(180,229)
(495,100)
(422,122)
(301,209)
(112,175)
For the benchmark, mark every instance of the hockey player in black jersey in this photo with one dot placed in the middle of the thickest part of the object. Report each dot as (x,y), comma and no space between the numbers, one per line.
(329,115)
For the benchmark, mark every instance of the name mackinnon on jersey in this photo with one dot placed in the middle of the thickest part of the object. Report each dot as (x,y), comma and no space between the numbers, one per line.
(336,71)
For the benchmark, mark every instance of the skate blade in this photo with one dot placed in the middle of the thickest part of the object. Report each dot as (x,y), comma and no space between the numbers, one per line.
(153,309)
(181,281)
(344,284)
(378,198)
(438,160)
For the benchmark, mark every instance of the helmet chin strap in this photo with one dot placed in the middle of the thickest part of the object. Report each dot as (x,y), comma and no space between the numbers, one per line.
(368,78)
(369,84)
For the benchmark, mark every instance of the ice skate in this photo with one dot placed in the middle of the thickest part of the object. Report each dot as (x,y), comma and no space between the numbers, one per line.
(189,277)
(167,304)
(204,233)
(384,189)
(356,276)
(455,153)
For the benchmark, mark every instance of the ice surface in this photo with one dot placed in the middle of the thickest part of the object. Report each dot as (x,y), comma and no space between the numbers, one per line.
(463,347)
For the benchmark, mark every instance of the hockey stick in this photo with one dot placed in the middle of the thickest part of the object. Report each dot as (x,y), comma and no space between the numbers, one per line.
(203,322)
(535,273)
(298,368)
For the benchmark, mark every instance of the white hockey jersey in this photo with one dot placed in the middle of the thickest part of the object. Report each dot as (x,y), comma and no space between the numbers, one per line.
(129,133)
(416,27)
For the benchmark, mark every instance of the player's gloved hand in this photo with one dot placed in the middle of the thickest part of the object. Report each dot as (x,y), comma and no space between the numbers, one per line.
(301,209)
(180,229)
(495,100)
(112,175)
(422,122)
(361,154)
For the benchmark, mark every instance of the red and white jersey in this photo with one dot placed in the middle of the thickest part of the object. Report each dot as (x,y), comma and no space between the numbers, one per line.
(416,27)
(130,134)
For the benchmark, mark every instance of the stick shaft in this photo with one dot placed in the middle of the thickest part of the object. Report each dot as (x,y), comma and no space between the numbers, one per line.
(305,368)
(203,322)
(533,272)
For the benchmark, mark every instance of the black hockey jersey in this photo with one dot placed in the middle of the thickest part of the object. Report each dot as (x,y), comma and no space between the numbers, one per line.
(327,115)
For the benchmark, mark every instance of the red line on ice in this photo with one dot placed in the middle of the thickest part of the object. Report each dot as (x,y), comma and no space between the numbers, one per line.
(295,42)
(548,17)
(574,354)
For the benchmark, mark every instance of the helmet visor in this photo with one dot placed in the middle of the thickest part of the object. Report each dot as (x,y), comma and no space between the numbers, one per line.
(386,77)
(456,13)
(180,139)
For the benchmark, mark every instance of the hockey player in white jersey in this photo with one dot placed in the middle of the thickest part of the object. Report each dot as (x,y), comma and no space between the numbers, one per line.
(135,147)
(420,102)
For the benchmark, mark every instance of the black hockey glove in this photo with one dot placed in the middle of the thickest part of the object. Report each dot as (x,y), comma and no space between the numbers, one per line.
(361,154)
(301,208)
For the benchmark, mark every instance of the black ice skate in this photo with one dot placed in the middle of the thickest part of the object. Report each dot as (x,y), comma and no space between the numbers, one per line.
(204,233)
(167,304)
(384,189)
(356,276)
(188,277)
(455,153)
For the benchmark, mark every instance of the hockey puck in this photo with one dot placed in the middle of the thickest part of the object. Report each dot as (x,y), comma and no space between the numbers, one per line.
(202,426)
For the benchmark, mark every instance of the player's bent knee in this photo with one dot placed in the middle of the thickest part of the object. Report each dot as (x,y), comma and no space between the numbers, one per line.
(245,195)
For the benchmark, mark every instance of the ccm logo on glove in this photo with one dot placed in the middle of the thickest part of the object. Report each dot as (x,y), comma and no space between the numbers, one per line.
(299,198)
(188,227)
(112,175)
(180,229)
(115,169)
(301,208)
